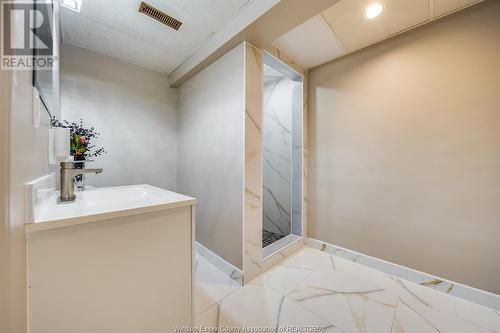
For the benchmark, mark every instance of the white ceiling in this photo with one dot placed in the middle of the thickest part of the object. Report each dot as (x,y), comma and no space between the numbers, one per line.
(117,29)
(342,28)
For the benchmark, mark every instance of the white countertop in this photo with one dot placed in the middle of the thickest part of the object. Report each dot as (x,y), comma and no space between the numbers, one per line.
(98,204)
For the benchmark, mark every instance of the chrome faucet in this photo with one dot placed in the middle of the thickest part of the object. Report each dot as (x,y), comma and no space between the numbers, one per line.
(68,172)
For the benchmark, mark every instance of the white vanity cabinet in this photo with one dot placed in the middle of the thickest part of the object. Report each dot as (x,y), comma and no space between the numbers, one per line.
(114,268)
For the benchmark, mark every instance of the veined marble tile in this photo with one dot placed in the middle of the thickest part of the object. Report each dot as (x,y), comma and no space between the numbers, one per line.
(252,215)
(477,314)
(349,303)
(253,262)
(259,307)
(444,286)
(312,259)
(431,297)
(208,320)
(293,270)
(420,309)
(426,280)
(230,270)
(408,319)
(309,290)
(414,295)
(476,296)
(277,152)
(212,284)
(283,279)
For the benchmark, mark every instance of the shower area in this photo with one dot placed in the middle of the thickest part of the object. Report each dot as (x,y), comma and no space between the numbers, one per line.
(281,152)
(241,155)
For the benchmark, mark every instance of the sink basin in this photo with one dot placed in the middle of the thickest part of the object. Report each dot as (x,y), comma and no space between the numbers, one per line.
(117,197)
(97,204)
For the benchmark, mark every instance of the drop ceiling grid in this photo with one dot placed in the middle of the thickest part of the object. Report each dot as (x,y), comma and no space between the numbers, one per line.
(324,43)
(355,32)
(446,7)
(351,30)
(331,28)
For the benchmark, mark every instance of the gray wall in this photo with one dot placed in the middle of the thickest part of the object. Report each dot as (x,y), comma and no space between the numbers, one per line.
(405,149)
(211,110)
(133,108)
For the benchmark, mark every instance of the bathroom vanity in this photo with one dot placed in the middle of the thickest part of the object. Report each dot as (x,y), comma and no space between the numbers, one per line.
(118,259)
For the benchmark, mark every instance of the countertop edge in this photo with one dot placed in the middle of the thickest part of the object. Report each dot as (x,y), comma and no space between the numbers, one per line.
(101,217)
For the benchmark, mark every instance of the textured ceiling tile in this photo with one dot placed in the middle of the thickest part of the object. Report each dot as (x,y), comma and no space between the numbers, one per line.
(116,28)
(93,36)
(211,12)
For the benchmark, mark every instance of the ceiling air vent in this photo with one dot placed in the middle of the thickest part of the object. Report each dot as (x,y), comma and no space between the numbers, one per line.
(159,16)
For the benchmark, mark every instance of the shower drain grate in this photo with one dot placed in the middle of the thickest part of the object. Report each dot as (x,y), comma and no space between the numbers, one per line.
(269,237)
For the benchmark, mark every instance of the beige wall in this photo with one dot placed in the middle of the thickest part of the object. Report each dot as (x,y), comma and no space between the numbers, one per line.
(405,149)
(132,107)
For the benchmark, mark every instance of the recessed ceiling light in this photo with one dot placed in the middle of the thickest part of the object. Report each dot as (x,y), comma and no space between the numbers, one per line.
(373,10)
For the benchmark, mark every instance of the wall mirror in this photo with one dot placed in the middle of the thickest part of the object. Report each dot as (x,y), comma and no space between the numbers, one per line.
(282,155)
(47,31)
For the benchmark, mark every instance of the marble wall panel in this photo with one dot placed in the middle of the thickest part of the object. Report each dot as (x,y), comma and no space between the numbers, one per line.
(253,262)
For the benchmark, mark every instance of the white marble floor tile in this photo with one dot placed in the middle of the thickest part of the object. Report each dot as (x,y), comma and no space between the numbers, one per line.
(282,279)
(408,321)
(212,284)
(208,319)
(230,270)
(350,303)
(313,289)
(434,299)
(449,324)
(420,309)
(312,259)
(441,320)
(444,286)
(413,294)
(256,306)
(477,314)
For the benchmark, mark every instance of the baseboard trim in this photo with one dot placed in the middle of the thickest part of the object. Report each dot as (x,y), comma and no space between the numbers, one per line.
(456,289)
(232,271)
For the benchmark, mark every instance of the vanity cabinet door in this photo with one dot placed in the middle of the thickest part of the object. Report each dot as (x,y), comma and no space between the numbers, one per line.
(132,274)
